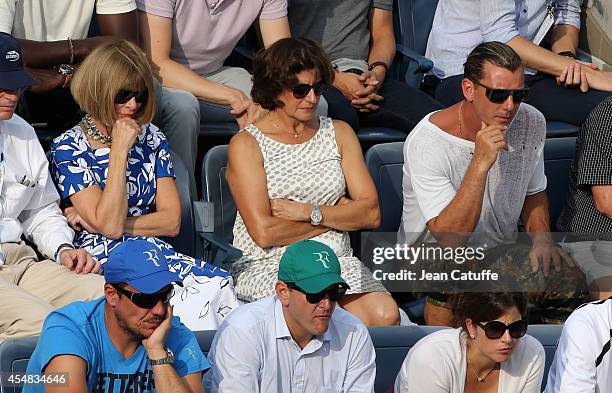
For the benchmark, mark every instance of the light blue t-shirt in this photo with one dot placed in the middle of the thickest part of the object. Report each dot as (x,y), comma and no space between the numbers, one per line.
(79,329)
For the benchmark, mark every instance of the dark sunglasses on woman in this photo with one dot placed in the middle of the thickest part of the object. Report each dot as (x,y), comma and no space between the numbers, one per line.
(145,300)
(335,292)
(124,95)
(499,96)
(300,91)
(496,329)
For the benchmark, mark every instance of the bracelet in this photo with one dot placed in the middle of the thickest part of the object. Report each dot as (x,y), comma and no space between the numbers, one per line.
(378,63)
(71,45)
(62,247)
(567,54)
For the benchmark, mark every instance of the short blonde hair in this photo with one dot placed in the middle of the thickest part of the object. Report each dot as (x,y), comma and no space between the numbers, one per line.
(111,67)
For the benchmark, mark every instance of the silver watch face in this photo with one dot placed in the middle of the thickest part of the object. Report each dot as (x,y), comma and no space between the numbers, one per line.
(316,216)
(65,69)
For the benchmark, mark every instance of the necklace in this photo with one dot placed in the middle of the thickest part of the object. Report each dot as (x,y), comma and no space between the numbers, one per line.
(459,118)
(482,379)
(295,133)
(93,131)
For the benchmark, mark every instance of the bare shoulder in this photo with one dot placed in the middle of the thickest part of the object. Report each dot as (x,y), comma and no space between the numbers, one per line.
(344,132)
(243,145)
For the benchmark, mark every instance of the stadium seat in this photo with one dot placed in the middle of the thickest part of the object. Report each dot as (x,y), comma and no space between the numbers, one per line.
(413,20)
(185,241)
(391,343)
(14,356)
(559,154)
(217,196)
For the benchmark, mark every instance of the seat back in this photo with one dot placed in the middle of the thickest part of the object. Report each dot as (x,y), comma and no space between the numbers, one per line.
(548,336)
(14,357)
(559,154)
(384,162)
(392,344)
(412,21)
(185,241)
(216,190)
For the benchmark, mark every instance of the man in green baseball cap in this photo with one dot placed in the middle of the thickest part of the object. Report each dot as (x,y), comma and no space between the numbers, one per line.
(268,342)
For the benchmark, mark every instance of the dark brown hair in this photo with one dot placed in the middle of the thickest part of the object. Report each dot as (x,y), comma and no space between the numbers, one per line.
(487,306)
(496,53)
(275,69)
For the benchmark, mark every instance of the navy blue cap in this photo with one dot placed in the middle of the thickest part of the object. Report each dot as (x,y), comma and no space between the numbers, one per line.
(12,74)
(141,264)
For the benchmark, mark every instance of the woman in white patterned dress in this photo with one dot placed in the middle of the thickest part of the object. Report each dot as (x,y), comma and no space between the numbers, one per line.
(114,168)
(297,176)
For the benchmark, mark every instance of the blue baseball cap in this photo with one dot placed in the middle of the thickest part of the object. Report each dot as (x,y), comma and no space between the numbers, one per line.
(12,74)
(141,264)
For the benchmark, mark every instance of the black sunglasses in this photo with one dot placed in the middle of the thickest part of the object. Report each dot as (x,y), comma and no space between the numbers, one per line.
(144,300)
(499,96)
(335,292)
(300,91)
(124,95)
(495,329)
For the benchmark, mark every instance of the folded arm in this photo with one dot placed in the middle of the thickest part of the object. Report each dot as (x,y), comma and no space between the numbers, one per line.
(247,180)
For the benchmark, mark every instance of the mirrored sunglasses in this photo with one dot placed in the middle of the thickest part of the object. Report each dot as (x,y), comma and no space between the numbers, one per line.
(145,300)
(124,95)
(499,96)
(300,91)
(496,329)
(335,293)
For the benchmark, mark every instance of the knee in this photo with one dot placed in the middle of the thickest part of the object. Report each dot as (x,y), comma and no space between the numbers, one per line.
(180,103)
(386,314)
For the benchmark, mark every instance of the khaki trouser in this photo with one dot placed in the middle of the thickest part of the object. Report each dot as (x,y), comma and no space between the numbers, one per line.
(30,289)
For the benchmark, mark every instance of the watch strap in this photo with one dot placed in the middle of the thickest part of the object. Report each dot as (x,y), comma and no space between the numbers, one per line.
(169,359)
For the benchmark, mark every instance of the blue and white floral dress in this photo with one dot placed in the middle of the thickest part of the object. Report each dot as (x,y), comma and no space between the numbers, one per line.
(208,293)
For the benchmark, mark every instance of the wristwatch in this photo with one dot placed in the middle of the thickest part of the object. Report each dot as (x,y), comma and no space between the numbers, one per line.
(169,359)
(66,70)
(315,215)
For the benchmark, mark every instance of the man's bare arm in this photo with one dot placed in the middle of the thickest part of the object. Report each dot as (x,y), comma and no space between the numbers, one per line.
(43,54)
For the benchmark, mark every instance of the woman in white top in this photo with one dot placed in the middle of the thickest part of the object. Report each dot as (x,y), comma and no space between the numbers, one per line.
(489,353)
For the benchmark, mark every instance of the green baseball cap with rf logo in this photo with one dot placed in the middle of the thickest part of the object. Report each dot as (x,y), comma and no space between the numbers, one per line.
(311,265)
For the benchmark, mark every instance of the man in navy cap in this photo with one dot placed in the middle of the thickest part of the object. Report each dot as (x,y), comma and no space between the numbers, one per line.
(296,340)
(31,287)
(126,341)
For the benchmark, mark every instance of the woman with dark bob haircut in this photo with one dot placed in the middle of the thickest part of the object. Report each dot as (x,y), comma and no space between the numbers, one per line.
(297,176)
(490,352)
(115,171)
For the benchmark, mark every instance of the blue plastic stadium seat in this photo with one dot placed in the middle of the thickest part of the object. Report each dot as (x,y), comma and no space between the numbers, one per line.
(559,154)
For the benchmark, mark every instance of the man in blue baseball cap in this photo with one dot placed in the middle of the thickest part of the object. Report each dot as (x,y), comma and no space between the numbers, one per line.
(128,340)
(31,286)
(297,339)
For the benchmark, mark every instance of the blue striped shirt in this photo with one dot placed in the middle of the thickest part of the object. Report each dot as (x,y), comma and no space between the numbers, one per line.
(460,25)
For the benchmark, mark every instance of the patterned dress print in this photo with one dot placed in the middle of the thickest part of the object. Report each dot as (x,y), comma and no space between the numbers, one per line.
(207,295)
(309,172)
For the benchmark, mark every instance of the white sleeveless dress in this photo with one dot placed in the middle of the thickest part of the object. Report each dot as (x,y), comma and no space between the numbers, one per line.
(308,172)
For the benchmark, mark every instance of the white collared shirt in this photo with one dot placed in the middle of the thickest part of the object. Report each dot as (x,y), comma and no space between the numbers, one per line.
(28,198)
(253,351)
